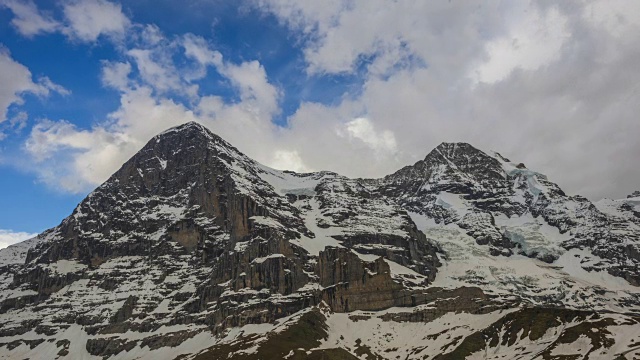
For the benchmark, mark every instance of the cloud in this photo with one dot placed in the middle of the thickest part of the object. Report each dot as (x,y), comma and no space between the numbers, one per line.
(88,19)
(156,70)
(249,77)
(82,20)
(16,124)
(363,130)
(28,20)
(197,48)
(46,85)
(154,56)
(17,81)
(19,121)
(533,39)
(309,17)
(8,237)
(116,74)
(288,160)
(344,35)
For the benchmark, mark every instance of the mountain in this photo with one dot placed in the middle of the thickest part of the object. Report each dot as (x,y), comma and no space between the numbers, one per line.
(192,250)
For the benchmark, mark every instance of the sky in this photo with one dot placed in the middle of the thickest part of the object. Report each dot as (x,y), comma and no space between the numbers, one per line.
(360,87)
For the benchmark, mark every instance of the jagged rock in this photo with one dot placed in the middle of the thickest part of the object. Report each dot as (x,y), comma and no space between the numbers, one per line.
(125,312)
(107,347)
(351,284)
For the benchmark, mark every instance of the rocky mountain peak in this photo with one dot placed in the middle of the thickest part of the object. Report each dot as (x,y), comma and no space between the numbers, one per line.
(453,150)
(192,135)
(183,189)
(189,126)
(193,131)
(466,161)
(456,167)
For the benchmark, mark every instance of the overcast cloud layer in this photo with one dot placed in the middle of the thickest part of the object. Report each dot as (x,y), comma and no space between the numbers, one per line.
(555,85)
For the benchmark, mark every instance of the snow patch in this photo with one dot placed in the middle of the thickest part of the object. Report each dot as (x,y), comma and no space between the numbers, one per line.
(573,262)
(285,182)
(260,260)
(65,266)
(17,253)
(322,237)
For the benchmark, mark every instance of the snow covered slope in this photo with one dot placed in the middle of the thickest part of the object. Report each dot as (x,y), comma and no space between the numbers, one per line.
(194,250)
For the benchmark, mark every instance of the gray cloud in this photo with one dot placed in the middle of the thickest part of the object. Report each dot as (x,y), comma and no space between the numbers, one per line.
(553,85)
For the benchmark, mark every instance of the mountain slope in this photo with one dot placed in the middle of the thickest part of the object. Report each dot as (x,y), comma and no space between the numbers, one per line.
(194,250)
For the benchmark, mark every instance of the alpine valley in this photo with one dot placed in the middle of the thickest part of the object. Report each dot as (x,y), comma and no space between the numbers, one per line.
(192,250)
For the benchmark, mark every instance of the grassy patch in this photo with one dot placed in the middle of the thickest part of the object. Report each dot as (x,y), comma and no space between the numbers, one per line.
(529,322)
(300,337)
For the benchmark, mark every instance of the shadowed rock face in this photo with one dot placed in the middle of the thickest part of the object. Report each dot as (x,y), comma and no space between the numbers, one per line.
(351,284)
(192,235)
(181,181)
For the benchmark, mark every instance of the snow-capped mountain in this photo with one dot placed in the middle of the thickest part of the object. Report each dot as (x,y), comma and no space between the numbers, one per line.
(192,250)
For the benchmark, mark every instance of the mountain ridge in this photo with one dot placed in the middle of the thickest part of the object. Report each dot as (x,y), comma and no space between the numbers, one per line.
(193,249)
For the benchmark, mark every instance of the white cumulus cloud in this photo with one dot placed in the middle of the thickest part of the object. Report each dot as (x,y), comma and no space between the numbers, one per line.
(82,20)
(28,20)
(17,81)
(363,130)
(88,19)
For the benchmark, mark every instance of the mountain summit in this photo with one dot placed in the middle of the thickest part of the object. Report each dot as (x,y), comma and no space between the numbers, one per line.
(193,250)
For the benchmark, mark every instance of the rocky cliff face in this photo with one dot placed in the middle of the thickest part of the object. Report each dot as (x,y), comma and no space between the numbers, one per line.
(194,250)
